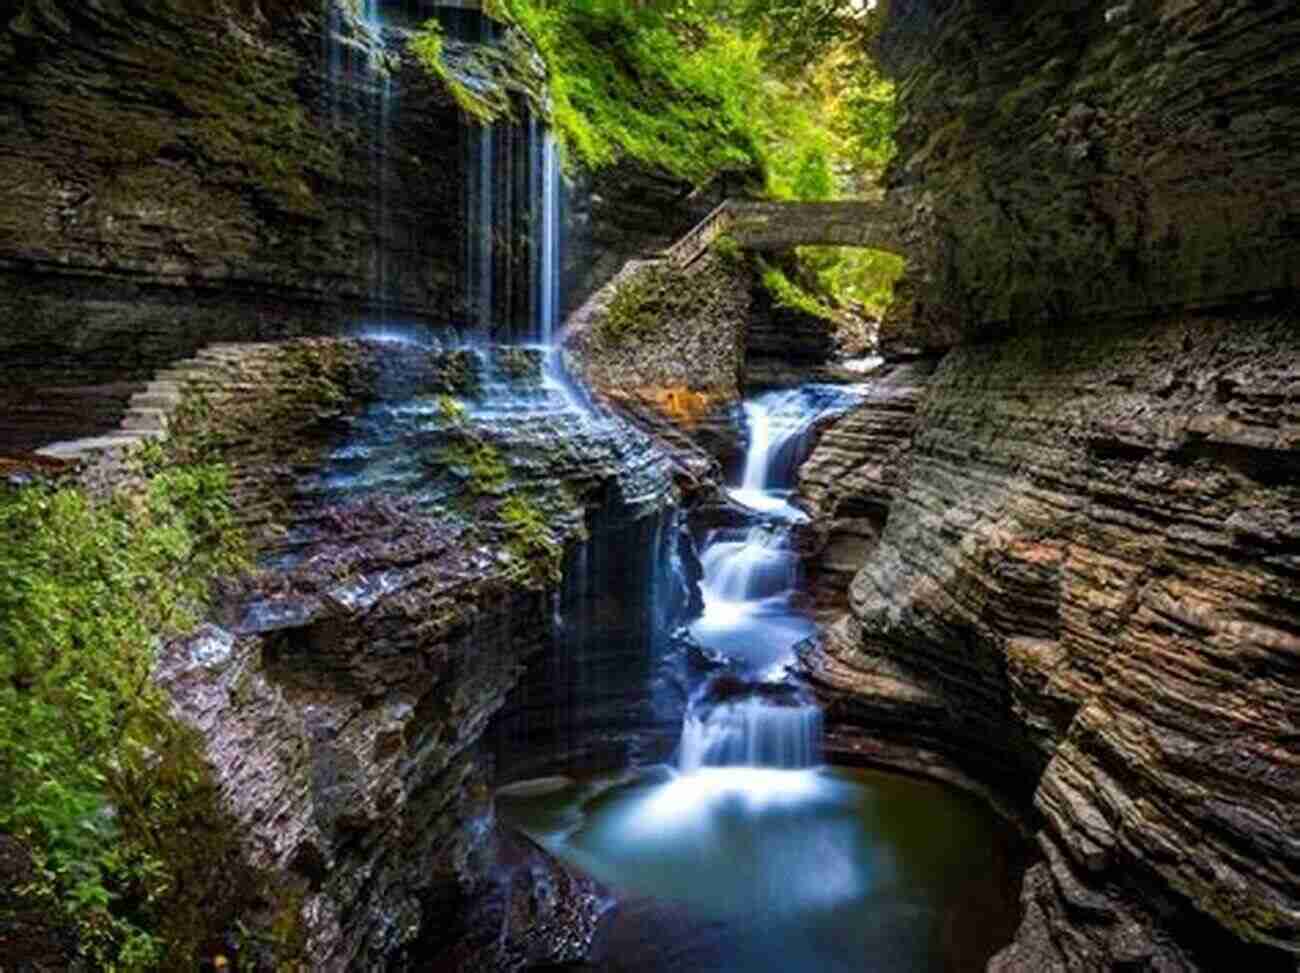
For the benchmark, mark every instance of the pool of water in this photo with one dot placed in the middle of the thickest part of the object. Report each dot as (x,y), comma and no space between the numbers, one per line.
(759,869)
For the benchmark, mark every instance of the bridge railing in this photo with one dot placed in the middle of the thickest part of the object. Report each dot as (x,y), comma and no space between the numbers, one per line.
(697,240)
(780,225)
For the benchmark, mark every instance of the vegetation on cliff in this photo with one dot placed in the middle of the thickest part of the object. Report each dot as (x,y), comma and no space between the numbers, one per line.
(699,90)
(107,792)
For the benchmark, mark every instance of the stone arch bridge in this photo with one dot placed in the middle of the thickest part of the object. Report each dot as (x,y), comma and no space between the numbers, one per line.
(765,225)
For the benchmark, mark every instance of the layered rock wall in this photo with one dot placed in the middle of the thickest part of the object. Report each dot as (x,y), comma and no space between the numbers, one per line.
(849,481)
(179,173)
(1084,590)
(1088,589)
(410,519)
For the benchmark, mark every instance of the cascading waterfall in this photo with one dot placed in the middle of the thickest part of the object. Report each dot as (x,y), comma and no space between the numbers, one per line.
(751,613)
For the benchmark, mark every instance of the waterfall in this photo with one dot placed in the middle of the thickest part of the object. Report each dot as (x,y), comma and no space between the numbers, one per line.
(355,60)
(549,261)
(479,259)
(381,290)
(751,733)
(748,564)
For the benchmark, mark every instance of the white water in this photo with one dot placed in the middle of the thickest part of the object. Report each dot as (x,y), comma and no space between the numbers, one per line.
(549,244)
(751,733)
(751,612)
(777,423)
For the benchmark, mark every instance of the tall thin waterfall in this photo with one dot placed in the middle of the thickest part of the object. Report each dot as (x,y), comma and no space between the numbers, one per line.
(480,171)
(549,255)
(359,81)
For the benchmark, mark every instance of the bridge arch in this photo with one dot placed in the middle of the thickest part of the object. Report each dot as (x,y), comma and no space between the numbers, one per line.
(764,225)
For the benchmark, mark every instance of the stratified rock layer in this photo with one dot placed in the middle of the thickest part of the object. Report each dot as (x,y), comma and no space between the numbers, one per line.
(410,507)
(849,481)
(1088,590)
(1083,159)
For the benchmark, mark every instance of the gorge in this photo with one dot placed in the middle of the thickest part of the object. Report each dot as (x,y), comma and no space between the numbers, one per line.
(427,547)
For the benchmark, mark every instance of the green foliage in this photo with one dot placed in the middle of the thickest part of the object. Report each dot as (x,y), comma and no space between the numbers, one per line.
(477,103)
(530,539)
(107,791)
(726,247)
(785,293)
(703,87)
(632,82)
(852,275)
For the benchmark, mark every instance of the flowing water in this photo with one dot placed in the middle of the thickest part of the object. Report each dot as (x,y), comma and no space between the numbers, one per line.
(752,611)
(744,852)
(747,854)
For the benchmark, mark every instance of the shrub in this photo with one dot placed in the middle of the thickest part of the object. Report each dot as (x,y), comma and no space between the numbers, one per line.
(109,793)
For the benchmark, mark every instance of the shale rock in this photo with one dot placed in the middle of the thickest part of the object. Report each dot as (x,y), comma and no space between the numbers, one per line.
(1086,590)
(345,691)
(848,483)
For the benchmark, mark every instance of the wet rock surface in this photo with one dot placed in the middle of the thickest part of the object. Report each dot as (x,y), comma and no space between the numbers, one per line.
(346,691)
(1085,591)
(848,483)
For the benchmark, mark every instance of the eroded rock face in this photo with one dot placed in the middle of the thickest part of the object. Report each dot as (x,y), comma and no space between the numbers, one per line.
(345,692)
(1059,160)
(849,481)
(1087,590)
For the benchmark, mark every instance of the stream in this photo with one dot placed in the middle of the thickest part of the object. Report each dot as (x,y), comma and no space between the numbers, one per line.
(745,852)
(742,851)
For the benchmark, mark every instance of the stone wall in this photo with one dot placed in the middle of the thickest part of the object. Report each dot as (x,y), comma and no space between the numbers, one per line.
(1066,160)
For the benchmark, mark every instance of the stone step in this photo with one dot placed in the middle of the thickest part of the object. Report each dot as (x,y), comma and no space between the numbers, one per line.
(145,419)
(77,448)
(167,401)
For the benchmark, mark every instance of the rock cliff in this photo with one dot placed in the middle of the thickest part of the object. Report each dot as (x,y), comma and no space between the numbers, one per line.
(410,508)
(1081,159)
(1076,541)
(178,173)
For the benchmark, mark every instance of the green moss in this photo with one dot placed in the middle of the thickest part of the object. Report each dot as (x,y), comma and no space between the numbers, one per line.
(479,463)
(633,311)
(728,249)
(469,455)
(483,103)
(530,540)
